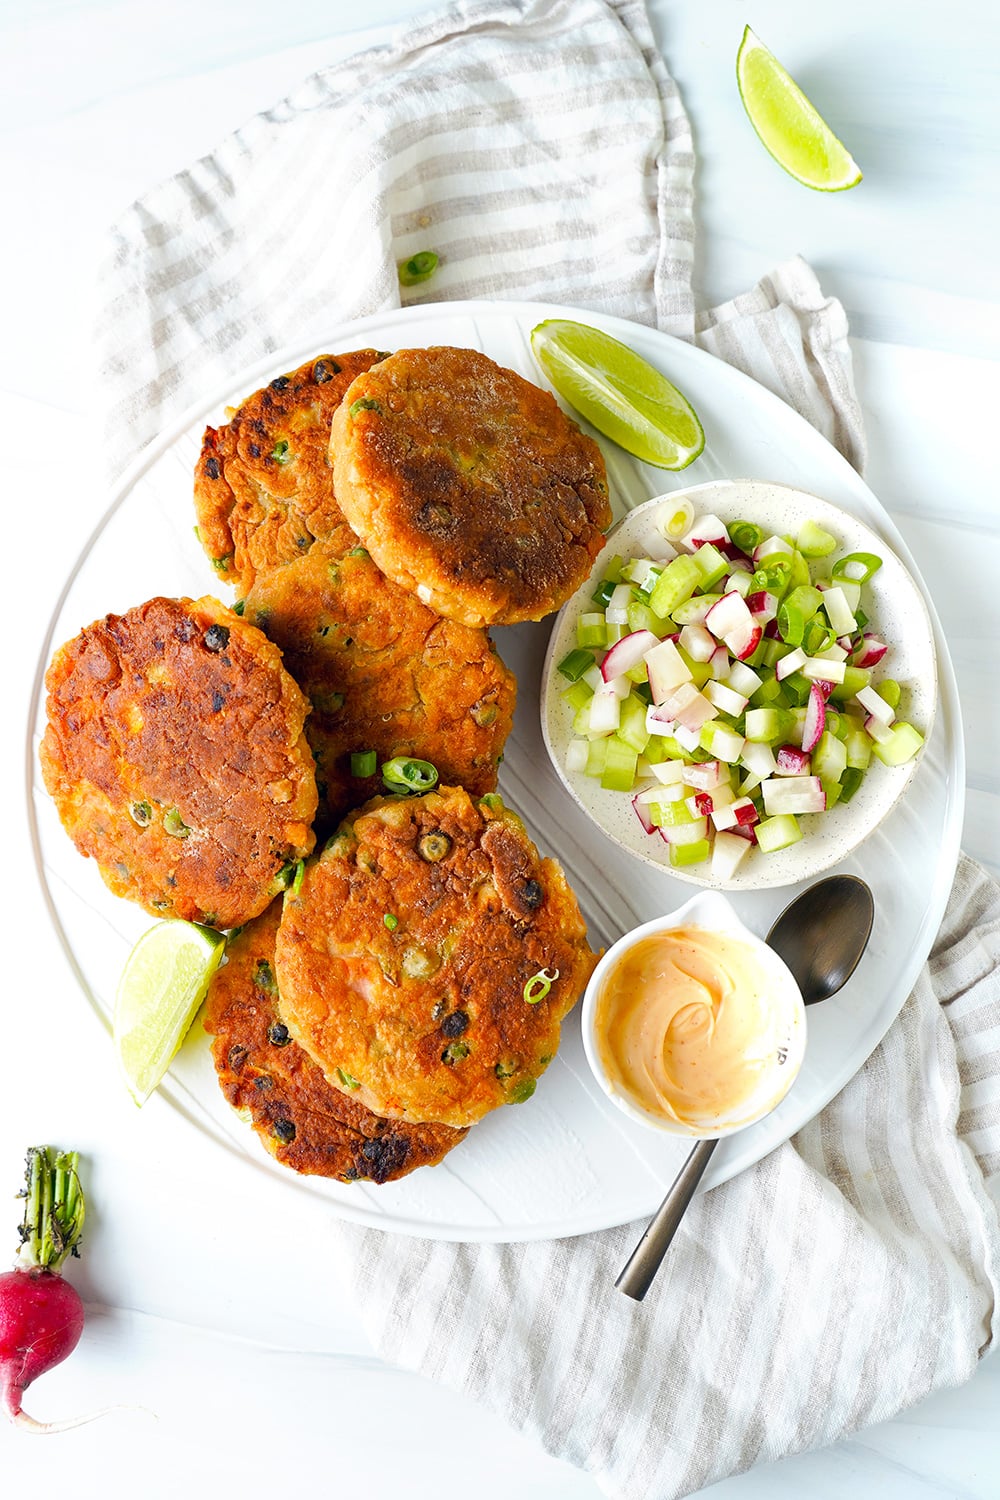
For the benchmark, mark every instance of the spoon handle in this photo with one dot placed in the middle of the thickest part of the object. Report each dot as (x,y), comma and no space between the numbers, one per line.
(637,1275)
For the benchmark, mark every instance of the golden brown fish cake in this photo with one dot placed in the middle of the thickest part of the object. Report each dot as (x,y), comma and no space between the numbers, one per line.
(403,959)
(263,486)
(307,1125)
(469,485)
(176,757)
(383,673)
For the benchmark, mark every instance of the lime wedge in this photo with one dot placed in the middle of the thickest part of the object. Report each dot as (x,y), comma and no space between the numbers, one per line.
(162,986)
(618,393)
(797,137)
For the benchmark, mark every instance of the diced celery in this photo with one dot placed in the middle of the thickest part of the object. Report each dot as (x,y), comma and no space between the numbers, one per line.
(855,678)
(902,745)
(796,689)
(770,694)
(829,758)
(619,766)
(676,583)
(578,695)
(693,611)
(590,630)
(858,746)
(632,728)
(577,755)
(596,757)
(689,854)
(771,652)
(665,747)
(722,741)
(614,569)
(701,671)
(813,541)
(777,833)
(613,633)
(768,726)
(712,566)
(581,719)
(641,617)
(671,812)
(832,791)
(800,572)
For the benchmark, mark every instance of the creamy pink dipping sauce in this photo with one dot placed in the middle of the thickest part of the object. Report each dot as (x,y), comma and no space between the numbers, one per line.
(688,1024)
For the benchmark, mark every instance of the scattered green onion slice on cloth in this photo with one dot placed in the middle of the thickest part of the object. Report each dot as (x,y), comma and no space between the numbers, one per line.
(418,268)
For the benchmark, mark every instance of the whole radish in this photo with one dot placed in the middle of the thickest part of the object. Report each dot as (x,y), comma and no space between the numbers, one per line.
(41,1315)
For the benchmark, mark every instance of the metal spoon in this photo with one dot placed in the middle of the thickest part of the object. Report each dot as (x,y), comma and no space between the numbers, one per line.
(821,936)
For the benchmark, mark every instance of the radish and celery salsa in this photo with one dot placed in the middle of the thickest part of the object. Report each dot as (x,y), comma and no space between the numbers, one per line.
(726,689)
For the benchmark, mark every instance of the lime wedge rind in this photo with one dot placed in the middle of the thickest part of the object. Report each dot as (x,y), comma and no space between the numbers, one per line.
(161,989)
(619,393)
(788,125)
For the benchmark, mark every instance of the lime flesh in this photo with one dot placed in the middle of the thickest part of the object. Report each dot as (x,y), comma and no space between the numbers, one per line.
(797,136)
(618,393)
(162,986)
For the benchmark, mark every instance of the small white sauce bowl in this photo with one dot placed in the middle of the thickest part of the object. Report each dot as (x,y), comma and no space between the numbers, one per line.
(709,910)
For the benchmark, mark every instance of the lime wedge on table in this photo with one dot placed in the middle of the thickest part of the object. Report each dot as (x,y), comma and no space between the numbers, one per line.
(162,986)
(797,136)
(619,393)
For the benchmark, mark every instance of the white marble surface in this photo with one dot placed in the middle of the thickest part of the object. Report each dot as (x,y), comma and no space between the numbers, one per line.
(241,1344)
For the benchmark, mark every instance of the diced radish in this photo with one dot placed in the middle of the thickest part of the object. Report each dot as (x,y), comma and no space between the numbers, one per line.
(875,705)
(667,669)
(654,544)
(722,742)
(759,759)
(741,813)
(628,653)
(746,831)
(697,642)
(771,631)
(838,611)
(605,710)
(728,852)
(738,561)
(592,677)
(770,547)
(872,650)
(786,665)
(690,708)
(686,833)
(700,804)
(705,529)
(762,605)
(825,686)
(804,795)
(791,761)
(576,755)
(850,590)
(822,669)
(743,679)
(877,730)
(706,775)
(675,792)
(642,813)
(720,663)
(688,739)
(724,698)
(729,614)
(642,572)
(667,773)
(815,720)
(737,582)
(616,612)
(833,652)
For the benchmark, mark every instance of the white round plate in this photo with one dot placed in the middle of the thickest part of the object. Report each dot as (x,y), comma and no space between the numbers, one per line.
(898,614)
(567,1161)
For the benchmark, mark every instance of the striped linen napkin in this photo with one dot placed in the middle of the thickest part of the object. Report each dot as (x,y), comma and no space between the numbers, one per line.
(541,148)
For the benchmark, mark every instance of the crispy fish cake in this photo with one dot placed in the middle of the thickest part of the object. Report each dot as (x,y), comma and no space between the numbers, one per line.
(403,960)
(469,485)
(175,755)
(383,673)
(301,1120)
(263,487)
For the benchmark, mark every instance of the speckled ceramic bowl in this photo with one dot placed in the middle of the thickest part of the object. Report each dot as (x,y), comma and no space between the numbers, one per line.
(896,611)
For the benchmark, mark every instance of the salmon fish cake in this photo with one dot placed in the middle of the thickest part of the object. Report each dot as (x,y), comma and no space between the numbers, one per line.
(175,755)
(384,674)
(408,960)
(303,1122)
(263,486)
(469,485)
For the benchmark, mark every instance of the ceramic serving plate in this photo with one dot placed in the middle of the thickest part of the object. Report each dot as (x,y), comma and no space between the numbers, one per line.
(567,1161)
(897,612)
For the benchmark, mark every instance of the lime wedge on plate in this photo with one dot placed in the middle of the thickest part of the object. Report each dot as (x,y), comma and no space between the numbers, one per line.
(163,983)
(797,137)
(618,393)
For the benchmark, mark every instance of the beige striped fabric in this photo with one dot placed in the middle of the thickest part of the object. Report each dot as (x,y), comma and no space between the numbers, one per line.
(541,148)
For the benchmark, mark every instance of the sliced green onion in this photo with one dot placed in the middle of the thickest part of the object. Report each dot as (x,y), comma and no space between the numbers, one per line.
(364,763)
(603,592)
(363,404)
(280,452)
(174,824)
(575,664)
(745,535)
(411,775)
(390,921)
(590,630)
(857,567)
(677,522)
(300,870)
(492,801)
(347,1079)
(539,984)
(418,268)
(795,612)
